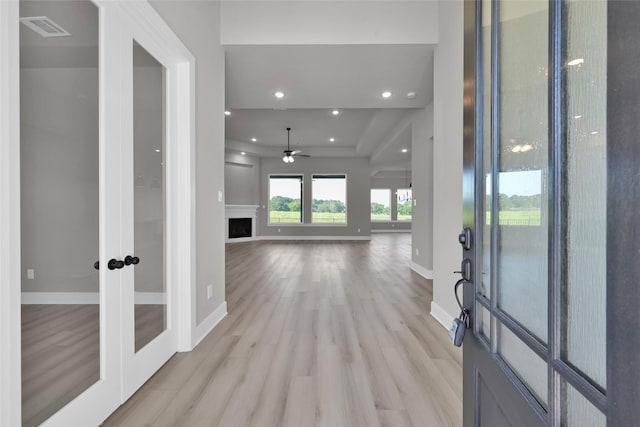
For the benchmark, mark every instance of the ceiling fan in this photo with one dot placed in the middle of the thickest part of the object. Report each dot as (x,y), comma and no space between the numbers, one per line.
(290,154)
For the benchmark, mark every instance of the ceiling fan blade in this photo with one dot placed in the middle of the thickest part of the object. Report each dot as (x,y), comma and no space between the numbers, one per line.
(296,152)
(301,155)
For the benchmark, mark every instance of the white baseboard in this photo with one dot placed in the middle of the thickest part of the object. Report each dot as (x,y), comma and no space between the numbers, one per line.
(85,298)
(427,274)
(391,230)
(207,325)
(438,313)
(315,237)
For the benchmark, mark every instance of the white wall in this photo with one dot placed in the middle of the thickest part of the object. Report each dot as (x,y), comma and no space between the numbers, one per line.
(329,22)
(358,196)
(197,24)
(447,158)
(422,167)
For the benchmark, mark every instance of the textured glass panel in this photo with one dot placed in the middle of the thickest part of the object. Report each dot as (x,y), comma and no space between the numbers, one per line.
(484,283)
(380,204)
(485,321)
(149,199)
(584,292)
(577,411)
(60,188)
(529,367)
(522,183)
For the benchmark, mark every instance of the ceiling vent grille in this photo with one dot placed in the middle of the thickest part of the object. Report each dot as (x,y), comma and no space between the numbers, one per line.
(44,26)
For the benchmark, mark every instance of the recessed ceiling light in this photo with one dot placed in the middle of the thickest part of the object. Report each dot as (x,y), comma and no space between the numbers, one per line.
(157,150)
(579,116)
(279,94)
(332,139)
(576,61)
(243,153)
(595,132)
(253,139)
(386,94)
(404,150)
(335,112)
(411,95)
(227,113)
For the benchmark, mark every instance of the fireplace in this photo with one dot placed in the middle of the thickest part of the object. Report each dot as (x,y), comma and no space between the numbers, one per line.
(240,222)
(239,227)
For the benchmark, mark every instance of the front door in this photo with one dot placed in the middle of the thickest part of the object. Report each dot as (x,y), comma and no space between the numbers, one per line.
(545,93)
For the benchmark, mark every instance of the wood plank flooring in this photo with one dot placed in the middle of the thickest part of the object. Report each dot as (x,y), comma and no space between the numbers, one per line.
(318,334)
(61,352)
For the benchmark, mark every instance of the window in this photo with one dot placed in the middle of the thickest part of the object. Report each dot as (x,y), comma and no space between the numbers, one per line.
(329,204)
(380,204)
(285,199)
(404,199)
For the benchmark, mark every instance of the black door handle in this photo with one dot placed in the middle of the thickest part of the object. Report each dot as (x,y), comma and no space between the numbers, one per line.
(128,260)
(114,263)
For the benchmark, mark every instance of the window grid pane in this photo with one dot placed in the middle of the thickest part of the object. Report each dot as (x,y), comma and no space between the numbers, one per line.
(285,199)
(329,203)
(380,204)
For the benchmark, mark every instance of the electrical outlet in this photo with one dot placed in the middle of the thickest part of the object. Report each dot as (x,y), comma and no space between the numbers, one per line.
(209,291)
(219,195)
(278,230)
(358,230)
(31,274)
(417,251)
(415,202)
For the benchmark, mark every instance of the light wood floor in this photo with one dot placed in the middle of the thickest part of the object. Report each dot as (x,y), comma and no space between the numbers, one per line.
(318,334)
(61,352)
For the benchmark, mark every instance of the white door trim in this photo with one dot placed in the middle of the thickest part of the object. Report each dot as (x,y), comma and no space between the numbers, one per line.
(10,362)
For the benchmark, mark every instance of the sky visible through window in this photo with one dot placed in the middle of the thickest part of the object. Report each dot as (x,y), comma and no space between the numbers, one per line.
(381,196)
(522,183)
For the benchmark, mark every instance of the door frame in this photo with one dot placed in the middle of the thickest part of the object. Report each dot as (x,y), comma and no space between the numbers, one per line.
(181,269)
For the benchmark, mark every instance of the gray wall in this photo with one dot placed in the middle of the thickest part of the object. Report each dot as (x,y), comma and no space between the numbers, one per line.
(197,24)
(422,238)
(358,196)
(241,179)
(59,178)
(393,183)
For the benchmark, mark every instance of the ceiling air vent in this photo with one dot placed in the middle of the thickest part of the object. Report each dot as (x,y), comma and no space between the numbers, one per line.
(44,26)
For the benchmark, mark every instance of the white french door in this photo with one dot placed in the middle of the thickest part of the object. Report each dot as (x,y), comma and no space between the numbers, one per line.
(103,168)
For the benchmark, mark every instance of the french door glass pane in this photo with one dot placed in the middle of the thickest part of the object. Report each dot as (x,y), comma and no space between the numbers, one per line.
(149,197)
(577,411)
(522,184)
(584,290)
(529,367)
(59,141)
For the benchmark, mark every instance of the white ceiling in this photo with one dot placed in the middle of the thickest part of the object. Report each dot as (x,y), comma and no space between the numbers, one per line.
(318,79)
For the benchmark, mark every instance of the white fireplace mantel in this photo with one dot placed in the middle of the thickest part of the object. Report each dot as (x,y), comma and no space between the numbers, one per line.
(240,211)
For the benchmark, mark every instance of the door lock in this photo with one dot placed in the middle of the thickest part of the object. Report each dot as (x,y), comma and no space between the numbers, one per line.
(465,238)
